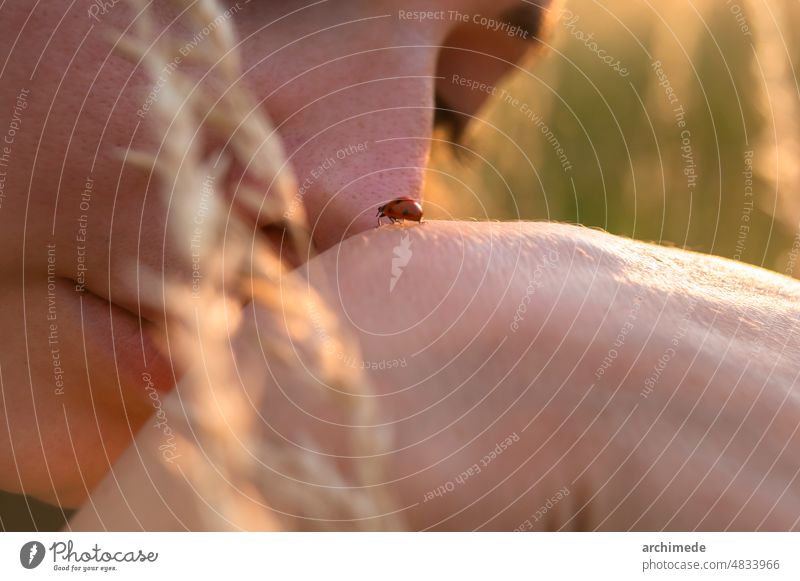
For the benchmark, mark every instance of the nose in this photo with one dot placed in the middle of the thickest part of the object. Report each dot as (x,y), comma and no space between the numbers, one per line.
(357,134)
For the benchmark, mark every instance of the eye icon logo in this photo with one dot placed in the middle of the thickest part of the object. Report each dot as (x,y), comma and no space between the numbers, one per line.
(31,554)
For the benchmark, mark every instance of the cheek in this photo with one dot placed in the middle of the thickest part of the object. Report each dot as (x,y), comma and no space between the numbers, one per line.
(354,110)
(357,164)
(81,115)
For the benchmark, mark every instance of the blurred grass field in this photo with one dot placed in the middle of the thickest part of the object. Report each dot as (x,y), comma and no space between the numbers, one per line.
(731,66)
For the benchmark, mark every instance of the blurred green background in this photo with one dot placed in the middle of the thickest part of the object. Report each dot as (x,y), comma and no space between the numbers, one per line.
(732,68)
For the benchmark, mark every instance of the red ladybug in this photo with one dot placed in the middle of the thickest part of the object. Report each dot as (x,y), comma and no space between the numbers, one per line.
(400,209)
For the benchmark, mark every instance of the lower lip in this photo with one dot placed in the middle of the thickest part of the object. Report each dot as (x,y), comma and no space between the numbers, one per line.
(117,343)
(120,347)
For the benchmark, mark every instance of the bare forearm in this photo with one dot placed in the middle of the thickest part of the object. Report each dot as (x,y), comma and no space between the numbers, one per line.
(648,381)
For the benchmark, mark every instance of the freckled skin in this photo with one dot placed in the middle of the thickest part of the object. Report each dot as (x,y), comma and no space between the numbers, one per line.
(400,209)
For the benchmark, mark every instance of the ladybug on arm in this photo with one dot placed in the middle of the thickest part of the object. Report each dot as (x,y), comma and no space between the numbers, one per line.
(400,209)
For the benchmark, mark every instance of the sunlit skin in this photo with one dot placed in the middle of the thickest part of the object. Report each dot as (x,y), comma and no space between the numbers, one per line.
(708,448)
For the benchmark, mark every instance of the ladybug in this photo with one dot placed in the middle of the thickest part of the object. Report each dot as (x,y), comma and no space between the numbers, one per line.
(400,209)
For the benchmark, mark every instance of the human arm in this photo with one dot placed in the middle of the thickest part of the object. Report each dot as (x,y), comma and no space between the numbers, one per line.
(691,424)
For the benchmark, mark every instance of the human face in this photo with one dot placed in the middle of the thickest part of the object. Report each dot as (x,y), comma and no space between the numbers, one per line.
(351,87)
